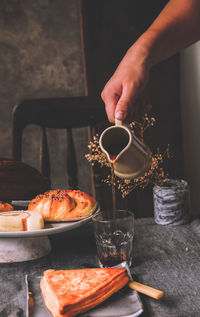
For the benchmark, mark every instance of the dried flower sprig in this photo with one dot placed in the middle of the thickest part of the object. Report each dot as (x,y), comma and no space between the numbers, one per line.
(155,174)
(139,127)
(96,155)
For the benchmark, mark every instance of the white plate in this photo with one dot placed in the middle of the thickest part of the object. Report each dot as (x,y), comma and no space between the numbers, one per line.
(49,228)
(124,303)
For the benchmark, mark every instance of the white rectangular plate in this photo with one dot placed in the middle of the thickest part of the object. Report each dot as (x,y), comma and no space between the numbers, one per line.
(125,303)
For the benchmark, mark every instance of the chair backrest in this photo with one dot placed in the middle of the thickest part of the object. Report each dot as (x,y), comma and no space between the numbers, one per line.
(64,113)
(58,113)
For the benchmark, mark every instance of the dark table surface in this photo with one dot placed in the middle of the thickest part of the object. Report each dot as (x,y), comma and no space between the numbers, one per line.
(165,257)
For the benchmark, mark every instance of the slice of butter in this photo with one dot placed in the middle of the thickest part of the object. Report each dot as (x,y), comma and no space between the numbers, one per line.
(20,220)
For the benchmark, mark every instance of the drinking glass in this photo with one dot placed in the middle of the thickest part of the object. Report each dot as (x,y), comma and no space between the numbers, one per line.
(114,237)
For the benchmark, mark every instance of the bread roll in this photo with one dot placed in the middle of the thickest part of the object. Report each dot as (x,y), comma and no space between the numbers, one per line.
(63,205)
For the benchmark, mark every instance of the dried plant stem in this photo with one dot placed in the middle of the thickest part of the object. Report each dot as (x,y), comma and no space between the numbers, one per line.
(155,174)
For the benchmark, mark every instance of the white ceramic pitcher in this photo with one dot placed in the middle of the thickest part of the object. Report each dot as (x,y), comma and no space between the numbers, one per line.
(131,157)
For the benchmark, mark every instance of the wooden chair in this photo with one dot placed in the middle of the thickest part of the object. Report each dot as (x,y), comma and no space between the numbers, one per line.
(58,113)
(63,113)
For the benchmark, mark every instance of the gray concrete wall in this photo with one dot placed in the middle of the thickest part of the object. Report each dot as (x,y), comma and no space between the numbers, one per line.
(40,56)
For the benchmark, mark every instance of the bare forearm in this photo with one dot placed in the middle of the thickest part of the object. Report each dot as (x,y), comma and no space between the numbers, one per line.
(177,27)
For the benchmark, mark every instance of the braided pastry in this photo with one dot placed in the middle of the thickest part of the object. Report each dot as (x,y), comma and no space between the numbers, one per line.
(63,205)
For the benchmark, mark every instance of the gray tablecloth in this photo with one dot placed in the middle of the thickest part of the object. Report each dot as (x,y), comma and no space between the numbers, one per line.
(168,258)
(165,257)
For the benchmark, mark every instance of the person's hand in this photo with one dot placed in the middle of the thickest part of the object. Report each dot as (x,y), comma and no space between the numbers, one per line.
(122,91)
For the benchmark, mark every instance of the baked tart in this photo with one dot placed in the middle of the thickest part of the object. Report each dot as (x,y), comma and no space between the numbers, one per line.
(68,293)
(63,205)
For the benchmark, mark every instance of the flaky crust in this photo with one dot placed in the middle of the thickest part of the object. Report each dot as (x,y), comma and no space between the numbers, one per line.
(63,205)
(5,206)
(69,293)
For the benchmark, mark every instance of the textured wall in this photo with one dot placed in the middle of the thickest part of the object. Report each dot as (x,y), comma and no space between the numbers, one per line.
(40,57)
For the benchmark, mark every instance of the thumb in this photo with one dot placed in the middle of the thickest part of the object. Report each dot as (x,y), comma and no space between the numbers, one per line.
(123,106)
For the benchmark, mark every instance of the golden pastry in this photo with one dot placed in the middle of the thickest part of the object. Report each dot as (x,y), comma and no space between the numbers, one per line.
(68,293)
(5,206)
(63,205)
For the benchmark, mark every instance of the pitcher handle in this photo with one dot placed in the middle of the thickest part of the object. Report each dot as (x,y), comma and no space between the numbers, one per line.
(118,122)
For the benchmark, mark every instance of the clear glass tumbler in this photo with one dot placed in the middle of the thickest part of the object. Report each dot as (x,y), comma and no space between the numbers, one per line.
(114,237)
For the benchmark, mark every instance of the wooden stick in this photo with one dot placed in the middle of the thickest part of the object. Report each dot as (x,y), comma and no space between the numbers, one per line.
(147,290)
